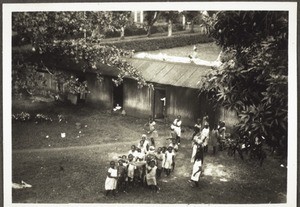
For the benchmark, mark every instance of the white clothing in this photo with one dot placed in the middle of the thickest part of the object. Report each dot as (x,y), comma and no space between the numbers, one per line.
(131,168)
(175,148)
(177,127)
(205,136)
(169,159)
(135,154)
(160,160)
(151,176)
(140,156)
(194,151)
(197,164)
(111,183)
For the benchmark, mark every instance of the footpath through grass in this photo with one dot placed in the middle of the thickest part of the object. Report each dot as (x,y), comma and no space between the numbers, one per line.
(73,169)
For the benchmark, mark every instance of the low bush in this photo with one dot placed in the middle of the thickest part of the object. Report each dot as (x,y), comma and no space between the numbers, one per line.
(155,43)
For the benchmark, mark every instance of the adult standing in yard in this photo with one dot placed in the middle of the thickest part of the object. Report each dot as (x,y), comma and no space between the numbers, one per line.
(176,125)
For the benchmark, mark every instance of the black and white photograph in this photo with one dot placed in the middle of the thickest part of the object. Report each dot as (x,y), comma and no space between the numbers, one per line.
(191,103)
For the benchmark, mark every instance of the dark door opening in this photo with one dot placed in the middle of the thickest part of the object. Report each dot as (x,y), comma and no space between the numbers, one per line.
(159,104)
(117,96)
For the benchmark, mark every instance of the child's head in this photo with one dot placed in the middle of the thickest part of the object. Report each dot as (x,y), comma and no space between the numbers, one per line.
(142,142)
(133,147)
(138,149)
(159,150)
(163,149)
(173,141)
(120,162)
(170,149)
(178,117)
(112,164)
(144,136)
(152,163)
(130,157)
(124,157)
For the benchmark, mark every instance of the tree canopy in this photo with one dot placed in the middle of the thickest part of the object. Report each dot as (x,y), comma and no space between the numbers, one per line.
(252,78)
(67,35)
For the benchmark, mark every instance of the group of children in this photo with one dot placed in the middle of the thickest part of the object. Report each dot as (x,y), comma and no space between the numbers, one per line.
(143,164)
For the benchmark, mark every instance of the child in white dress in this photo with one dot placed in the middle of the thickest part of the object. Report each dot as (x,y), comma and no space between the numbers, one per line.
(151,176)
(169,159)
(111,179)
(130,170)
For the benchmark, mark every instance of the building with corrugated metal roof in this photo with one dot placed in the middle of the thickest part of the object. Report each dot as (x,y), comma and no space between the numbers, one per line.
(176,92)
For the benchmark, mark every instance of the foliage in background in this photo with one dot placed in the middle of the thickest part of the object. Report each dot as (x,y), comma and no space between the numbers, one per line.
(156,43)
(150,18)
(68,35)
(191,16)
(170,17)
(252,79)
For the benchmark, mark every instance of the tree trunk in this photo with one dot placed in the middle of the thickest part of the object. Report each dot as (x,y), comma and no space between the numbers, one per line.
(149,31)
(122,36)
(192,26)
(170,28)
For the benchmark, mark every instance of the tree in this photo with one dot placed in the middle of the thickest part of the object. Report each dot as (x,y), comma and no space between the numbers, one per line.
(150,18)
(66,36)
(191,16)
(170,17)
(120,21)
(252,78)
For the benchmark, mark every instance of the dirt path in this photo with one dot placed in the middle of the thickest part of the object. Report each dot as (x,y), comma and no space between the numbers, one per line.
(101,146)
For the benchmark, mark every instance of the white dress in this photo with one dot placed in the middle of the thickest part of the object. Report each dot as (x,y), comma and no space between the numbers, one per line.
(169,160)
(177,127)
(111,183)
(131,168)
(197,164)
(205,134)
(151,176)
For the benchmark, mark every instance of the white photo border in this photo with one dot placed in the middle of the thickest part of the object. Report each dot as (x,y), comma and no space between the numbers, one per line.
(291,7)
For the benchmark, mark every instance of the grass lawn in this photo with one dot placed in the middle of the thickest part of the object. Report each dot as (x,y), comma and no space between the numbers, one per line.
(73,169)
(205,51)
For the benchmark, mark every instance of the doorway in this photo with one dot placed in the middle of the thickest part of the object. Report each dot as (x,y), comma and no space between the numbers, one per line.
(159,111)
(118,96)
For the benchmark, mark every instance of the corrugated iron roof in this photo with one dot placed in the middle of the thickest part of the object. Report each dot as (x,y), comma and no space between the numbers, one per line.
(176,74)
